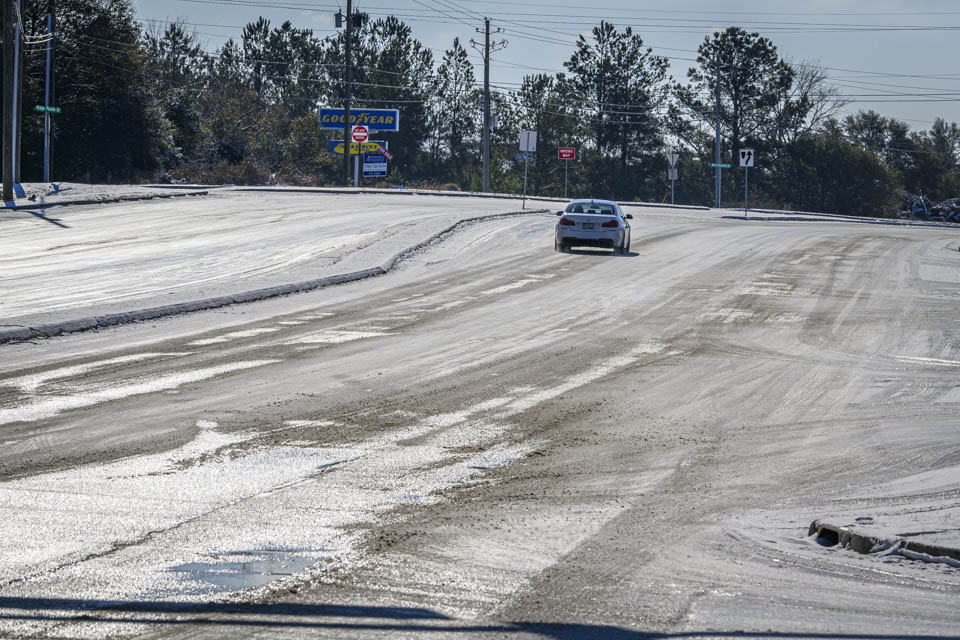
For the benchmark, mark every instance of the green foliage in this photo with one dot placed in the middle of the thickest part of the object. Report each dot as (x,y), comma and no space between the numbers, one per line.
(137,105)
(618,86)
(746,71)
(826,173)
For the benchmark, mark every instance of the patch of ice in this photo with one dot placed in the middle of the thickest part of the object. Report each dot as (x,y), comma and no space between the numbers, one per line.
(309,423)
(453,304)
(42,407)
(727,315)
(761,288)
(586,377)
(410,297)
(235,335)
(937,361)
(530,279)
(336,337)
(30,383)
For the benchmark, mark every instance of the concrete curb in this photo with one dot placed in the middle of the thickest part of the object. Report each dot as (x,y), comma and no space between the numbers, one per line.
(450,194)
(109,200)
(863,542)
(799,216)
(98,322)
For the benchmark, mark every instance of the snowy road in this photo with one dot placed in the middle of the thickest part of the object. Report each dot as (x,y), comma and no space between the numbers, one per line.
(494,440)
(69,263)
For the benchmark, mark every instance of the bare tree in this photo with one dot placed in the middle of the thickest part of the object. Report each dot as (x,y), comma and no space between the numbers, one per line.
(806,104)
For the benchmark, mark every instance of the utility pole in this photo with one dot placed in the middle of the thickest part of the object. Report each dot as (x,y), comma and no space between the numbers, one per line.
(8,119)
(485,52)
(48,94)
(19,97)
(717,109)
(347,89)
(15,105)
(486,103)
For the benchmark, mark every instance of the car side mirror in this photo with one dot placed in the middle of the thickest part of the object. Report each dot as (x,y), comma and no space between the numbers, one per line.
(629,216)
(559,213)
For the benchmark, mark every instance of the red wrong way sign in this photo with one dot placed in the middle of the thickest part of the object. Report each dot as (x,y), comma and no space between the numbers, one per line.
(360,133)
(567,153)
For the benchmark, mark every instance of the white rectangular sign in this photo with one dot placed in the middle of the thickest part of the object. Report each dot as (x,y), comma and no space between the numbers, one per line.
(747,158)
(672,173)
(528,141)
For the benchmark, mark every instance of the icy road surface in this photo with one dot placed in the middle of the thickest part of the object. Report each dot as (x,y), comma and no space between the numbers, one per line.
(494,440)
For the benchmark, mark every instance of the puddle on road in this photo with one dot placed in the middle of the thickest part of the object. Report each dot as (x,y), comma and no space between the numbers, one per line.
(239,570)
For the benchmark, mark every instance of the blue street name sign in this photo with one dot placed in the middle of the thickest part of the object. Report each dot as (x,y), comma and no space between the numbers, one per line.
(373,119)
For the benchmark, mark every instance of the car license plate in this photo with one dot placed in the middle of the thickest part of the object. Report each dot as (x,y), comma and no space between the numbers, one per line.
(588,225)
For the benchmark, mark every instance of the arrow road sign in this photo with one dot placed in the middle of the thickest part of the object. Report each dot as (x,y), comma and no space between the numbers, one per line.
(747,157)
(673,157)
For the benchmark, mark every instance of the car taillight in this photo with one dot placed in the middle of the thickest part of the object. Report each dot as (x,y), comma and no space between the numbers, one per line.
(610,223)
(566,222)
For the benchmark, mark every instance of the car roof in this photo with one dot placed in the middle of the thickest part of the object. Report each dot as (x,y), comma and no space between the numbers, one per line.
(591,200)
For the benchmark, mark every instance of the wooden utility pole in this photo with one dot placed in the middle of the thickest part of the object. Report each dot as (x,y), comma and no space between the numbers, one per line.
(347,89)
(48,97)
(716,108)
(485,51)
(8,120)
(486,102)
(18,97)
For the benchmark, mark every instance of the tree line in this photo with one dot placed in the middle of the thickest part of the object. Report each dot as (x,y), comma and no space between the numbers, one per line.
(150,103)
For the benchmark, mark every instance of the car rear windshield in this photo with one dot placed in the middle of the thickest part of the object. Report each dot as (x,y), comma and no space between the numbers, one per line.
(592,207)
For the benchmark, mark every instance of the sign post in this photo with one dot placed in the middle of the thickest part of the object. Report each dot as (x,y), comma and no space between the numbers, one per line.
(566,154)
(672,173)
(359,134)
(747,159)
(528,145)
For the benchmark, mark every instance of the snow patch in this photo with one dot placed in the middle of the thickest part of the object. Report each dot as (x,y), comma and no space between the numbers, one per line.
(235,335)
(30,383)
(336,337)
(47,406)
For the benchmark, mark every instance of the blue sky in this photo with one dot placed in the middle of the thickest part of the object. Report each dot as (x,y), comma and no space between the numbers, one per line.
(885,53)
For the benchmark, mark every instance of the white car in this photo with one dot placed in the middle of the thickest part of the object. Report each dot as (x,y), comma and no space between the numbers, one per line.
(593,223)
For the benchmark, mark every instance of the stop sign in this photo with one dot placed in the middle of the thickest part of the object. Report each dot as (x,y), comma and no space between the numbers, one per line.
(360,133)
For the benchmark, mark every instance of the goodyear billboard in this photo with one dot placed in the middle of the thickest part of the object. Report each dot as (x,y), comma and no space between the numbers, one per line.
(373,119)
